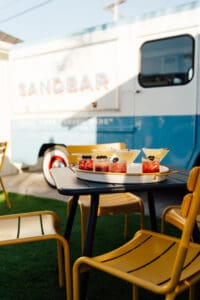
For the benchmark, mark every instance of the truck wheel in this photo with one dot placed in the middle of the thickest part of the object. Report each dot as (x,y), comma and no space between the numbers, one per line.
(54,157)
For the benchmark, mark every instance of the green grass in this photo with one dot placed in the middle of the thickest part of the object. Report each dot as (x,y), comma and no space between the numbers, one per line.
(30,271)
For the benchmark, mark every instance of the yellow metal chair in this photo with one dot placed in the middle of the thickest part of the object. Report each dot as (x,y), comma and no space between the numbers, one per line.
(109,204)
(34,227)
(156,262)
(3,148)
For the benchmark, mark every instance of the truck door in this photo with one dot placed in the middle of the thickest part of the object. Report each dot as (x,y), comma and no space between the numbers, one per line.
(165,96)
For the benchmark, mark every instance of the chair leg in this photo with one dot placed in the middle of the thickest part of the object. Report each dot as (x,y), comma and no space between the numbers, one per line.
(171,296)
(134,292)
(163,225)
(76,281)
(5,193)
(63,246)
(60,264)
(84,215)
(192,292)
(126,221)
(69,204)
(142,218)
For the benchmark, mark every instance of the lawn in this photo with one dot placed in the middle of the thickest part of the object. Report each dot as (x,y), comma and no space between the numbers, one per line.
(29,271)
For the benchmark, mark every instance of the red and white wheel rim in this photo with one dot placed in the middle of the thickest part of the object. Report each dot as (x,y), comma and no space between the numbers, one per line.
(54,158)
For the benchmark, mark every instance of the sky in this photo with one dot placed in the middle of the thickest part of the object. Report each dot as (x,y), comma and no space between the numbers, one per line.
(36,20)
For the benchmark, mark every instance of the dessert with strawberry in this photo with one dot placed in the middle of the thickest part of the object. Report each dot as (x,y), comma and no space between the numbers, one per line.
(150,164)
(86,163)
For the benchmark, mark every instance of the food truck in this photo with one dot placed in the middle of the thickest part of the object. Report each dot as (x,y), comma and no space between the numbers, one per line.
(134,81)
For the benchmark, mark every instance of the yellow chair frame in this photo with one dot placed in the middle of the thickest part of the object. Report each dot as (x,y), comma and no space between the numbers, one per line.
(172,214)
(157,262)
(109,204)
(38,226)
(3,148)
(176,214)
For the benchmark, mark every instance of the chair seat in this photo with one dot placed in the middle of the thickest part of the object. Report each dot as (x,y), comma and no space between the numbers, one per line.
(38,226)
(113,203)
(155,253)
(26,226)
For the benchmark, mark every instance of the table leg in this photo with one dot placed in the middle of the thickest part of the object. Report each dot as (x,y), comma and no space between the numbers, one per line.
(71,217)
(152,210)
(84,277)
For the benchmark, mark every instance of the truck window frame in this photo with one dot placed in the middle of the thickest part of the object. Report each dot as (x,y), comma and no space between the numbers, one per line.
(172,66)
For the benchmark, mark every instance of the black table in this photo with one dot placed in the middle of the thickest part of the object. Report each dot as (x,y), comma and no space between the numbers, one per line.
(68,184)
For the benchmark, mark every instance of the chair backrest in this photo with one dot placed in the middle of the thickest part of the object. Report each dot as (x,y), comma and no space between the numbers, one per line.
(3,147)
(193,186)
(75,150)
(185,205)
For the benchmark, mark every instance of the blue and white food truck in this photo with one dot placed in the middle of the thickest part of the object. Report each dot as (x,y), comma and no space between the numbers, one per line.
(135,81)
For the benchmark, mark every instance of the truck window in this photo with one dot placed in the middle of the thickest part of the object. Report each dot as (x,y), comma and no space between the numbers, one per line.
(168,61)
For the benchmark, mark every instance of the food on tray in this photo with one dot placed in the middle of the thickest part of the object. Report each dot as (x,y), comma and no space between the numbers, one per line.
(158,153)
(150,164)
(117,166)
(86,163)
(101,163)
(111,160)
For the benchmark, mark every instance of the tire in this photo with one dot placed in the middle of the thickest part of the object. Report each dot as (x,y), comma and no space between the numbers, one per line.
(54,157)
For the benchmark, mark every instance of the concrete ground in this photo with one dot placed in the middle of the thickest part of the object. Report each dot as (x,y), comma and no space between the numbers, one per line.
(31,184)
